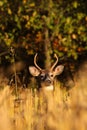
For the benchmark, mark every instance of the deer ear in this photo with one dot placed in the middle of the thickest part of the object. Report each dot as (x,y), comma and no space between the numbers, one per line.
(58,70)
(34,71)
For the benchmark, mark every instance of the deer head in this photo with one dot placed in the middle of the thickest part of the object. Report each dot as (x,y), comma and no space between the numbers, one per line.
(46,77)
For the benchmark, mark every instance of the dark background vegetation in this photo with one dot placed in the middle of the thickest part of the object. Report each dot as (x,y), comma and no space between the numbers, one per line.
(44,27)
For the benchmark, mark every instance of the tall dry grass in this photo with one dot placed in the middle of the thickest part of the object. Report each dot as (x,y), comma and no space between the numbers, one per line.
(48,111)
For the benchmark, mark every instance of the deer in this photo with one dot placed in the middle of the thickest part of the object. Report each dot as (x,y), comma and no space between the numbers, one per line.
(45,77)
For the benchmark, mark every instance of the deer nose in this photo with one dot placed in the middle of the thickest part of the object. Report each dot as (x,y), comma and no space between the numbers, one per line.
(48,81)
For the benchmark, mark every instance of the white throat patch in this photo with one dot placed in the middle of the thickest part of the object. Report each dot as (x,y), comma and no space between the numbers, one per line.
(49,88)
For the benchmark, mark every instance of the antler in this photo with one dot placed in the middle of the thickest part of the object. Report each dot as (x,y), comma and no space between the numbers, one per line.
(55,62)
(36,63)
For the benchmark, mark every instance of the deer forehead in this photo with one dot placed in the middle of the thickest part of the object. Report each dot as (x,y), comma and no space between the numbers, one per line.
(46,72)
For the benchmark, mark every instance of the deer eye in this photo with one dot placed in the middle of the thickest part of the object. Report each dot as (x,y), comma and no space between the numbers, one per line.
(51,75)
(42,76)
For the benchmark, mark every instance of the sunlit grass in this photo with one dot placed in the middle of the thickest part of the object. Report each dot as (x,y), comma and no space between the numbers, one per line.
(48,111)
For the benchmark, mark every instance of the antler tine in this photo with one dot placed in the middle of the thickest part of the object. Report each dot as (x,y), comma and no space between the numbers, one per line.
(55,62)
(36,63)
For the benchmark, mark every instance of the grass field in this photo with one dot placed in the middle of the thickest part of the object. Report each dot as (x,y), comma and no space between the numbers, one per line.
(59,111)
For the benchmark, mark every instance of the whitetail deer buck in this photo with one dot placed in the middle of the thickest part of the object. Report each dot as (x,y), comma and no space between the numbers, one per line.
(46,77)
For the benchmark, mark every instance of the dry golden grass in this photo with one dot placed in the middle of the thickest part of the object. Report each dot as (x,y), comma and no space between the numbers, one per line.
(58,111)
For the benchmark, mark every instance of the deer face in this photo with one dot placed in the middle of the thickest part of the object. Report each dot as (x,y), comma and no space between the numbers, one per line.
(46,77)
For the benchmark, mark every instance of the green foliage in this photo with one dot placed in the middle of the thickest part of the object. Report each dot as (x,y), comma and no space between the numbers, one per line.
(23,24)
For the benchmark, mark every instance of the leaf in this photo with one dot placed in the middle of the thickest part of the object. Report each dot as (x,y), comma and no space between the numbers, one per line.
(32,5)
(16,18)
(68,20)
(9,11)
(80,16)
(34,13)
(75,55)
(75,4)
(1,3)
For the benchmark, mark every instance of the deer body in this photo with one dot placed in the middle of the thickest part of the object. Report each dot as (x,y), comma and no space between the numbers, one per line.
(45,77)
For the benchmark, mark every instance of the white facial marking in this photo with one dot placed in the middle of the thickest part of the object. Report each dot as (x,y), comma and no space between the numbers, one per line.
(49,88)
